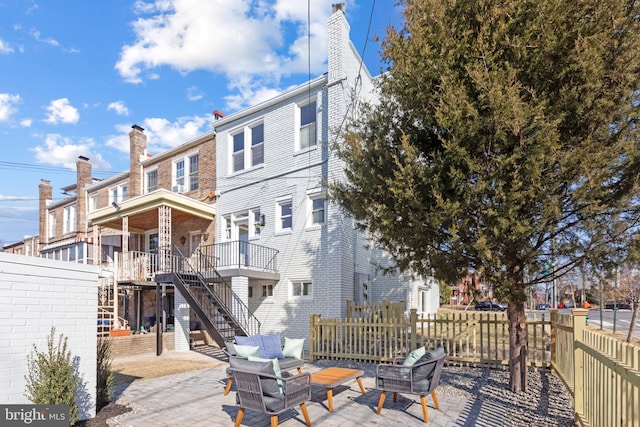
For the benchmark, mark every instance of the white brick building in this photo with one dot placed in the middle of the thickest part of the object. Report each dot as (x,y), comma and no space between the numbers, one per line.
(273,162)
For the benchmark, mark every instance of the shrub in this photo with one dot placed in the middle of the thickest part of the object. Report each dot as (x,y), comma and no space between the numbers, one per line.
(105,375)
(52,377)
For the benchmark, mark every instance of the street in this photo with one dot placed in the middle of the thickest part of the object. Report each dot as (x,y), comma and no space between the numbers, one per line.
(623,319)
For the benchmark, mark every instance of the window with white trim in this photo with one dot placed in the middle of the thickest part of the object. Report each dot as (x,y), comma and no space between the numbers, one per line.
(185,174)
(52,224)
(316,208)
(247,147)
(307,125)
(118,194)
(227,227)
(249,222)
(301,289)
(93,203)
(151,180)
(284,214)
(69,219)
(267,291)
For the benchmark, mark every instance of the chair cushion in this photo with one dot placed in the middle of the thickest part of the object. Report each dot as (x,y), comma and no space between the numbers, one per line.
(289,363)
(274,403)
(270,346)
(230,348)
(425,371)
(421,386)
(414,356)
(293,348)
(269,385)
(252,340)
(276,368)
(246,350)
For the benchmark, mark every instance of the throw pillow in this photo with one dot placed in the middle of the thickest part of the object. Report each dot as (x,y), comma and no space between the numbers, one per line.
(252,340)
(413,357)
(276,368)
(425,371)
(270,346)
(293,348)
(246,350)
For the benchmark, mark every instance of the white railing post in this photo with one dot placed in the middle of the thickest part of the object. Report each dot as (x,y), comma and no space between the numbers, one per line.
(579,316)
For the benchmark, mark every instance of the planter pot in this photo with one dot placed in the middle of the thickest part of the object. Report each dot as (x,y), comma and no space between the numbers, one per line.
(120,332)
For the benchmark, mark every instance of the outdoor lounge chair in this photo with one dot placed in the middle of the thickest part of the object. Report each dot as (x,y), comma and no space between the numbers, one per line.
(420,378)
(260,392)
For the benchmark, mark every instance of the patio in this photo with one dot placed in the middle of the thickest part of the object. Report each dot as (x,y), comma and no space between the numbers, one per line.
(467,396)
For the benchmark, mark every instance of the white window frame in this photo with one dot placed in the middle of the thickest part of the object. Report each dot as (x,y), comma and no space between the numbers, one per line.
(310,127)
(93,202)
(147,189)
(267,290)
(250,217)
(280,202)
(69,217)
(248,148)
(187,181)
(51,226)
(293,295)
(312,197)
(118,193)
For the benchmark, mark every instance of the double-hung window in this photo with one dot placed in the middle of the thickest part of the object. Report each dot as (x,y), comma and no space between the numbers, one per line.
(316,207)
(52,224)
(118,194)
(308,125)
(93,202)
(284,214)
(69,219)
(186,173)
(151,180)
(301,289)
(247,147)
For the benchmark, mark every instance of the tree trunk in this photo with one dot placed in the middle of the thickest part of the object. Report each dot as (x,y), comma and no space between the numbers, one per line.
(634,317)
(517,347)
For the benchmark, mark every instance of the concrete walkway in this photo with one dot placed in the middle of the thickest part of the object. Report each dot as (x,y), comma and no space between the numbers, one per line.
(196,399)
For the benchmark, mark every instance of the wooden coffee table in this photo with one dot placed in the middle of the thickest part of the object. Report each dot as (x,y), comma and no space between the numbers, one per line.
(333,377)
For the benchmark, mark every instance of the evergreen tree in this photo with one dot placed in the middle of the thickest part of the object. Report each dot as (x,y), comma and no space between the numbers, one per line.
(506,131)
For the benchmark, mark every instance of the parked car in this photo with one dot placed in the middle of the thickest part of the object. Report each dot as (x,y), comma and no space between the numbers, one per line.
(490,306)
(617,304)
(542,306)
(568,304)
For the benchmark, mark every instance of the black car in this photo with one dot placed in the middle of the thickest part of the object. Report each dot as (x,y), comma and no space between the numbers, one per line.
(618,305)
(490,306)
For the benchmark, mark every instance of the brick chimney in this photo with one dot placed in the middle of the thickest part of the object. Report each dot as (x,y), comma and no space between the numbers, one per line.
(83,173)
(45,192)
(137,150)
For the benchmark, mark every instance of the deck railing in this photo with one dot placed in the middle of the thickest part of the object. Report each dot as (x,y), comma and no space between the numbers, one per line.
(241,254)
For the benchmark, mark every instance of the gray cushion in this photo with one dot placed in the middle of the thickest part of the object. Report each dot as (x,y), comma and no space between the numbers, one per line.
(269,385)
(274,403)
(425,371)
(289,363)
(421,386)
(230,348)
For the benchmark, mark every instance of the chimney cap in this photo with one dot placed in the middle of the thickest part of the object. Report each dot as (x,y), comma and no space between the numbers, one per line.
(83,158)
(338,6)
(136,127)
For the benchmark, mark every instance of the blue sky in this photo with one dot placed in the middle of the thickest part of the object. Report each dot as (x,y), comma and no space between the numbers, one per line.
(75,75)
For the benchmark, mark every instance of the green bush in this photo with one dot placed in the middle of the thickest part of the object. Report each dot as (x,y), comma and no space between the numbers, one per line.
(52,377)
(105,375)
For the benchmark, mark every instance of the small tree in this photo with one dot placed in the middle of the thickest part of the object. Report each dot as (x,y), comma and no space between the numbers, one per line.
(445,293)
(105,374)
(52,377)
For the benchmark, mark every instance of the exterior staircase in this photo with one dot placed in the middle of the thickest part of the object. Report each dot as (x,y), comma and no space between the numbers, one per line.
(222,313)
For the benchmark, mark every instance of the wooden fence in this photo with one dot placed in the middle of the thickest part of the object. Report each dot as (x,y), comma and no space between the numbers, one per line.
(470,339)
(602,373)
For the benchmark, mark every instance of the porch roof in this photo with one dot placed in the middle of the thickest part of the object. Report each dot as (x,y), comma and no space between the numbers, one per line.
(143,211)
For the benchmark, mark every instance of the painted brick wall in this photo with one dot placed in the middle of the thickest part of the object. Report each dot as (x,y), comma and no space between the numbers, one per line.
(37,294)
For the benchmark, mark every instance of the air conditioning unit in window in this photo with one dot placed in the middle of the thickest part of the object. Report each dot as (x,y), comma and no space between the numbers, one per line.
(178,188)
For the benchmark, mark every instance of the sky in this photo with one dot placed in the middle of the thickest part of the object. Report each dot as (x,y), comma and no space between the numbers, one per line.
(76,75)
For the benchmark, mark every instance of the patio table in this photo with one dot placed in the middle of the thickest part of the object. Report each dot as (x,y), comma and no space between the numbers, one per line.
(333,377)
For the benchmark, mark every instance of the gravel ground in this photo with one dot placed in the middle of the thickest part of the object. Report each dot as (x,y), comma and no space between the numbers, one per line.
(546,403)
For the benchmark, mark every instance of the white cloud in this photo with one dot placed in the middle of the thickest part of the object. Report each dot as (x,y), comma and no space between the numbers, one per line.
(60,111)
(61,151)
(7,105)
(119,108)
(5,48)
(26,123)
(242,39)
(194,94)
(161,133)
(48,40)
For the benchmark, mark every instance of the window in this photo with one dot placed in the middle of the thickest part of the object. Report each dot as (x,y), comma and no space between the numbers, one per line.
(258,222)
(257,145)
(195,239)
(308,125)
(93,203)
(250,291)
(118,194)
(227,227)
(284,213)
(52,224)
(316,208)
(69,219)
(186,174)
(301,289)
(247,147)
(267,291)
(152,180)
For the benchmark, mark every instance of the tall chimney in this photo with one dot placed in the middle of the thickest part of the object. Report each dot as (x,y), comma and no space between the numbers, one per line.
(45,192)
(83,172)
(137,148)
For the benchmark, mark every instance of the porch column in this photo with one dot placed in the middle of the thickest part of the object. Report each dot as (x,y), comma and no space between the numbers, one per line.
(181,321)
(97,249)
(164,238)
(125,234)
(240,286)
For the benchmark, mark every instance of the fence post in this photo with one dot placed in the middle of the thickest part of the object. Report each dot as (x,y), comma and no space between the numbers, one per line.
(553,315)
(349,309)
(579,317)
(413,321)
(315,318)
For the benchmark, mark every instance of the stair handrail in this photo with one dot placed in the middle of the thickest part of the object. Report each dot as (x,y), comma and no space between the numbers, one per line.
(239,311)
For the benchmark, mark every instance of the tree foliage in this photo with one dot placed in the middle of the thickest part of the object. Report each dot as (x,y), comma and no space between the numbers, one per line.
(506,131)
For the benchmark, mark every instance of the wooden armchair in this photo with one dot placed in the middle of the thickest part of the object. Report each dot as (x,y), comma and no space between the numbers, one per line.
(256,391)
(421,379)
